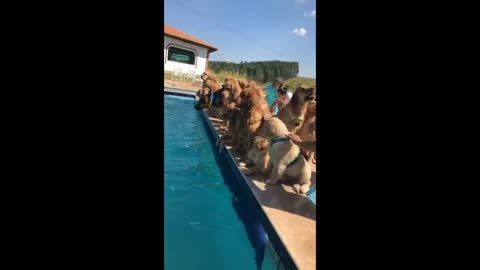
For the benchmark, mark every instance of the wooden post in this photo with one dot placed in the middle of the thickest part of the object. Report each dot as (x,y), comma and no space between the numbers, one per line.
(206,65)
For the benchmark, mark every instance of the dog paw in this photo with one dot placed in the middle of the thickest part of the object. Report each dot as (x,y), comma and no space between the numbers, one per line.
(241,164)
(296,187)
(304,189)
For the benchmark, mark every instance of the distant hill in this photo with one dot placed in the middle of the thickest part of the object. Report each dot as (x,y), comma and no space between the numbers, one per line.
(293,83)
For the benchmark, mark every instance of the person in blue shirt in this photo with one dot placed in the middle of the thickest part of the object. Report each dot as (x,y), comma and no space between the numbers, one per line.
(271,92)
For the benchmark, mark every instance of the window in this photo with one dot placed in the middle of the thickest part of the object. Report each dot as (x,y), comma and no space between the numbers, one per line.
(180,55)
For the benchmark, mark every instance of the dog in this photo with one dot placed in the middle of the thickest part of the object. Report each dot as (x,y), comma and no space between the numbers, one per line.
(204,99)
(233,87)
(227,103)
(252,109)
(237,114)
(220,101)
(252,84)
(293,114)
(206,93)
(243,83)
(286,158)
(231,92)
(258,157)
(308,130)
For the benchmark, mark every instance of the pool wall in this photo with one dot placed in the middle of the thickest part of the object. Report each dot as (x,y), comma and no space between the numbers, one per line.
(274,247)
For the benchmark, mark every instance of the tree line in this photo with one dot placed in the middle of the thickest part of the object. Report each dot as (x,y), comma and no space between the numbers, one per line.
(263,71)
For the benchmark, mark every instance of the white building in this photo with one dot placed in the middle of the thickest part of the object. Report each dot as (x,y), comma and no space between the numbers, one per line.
(184,51)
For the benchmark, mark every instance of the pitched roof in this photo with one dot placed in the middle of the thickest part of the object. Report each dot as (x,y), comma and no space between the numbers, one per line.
(170,31)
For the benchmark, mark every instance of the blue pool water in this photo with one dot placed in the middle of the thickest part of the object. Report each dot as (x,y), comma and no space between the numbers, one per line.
(206,226)
(312,194)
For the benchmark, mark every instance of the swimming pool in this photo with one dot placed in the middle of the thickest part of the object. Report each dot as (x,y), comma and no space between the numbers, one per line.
(208,225)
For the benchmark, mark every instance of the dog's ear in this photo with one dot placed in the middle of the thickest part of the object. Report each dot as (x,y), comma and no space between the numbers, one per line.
(295,98)
(237,90)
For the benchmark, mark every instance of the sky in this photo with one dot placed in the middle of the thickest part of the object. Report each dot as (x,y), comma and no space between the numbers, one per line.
(251,30)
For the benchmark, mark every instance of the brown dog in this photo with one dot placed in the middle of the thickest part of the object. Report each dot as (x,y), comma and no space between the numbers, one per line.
(233,86)
(230,98)
(204,100)
(252,109)
(293,114)
(225,102)
(237,113)
(209,87)
(243,83)
(307,132)
(234,114)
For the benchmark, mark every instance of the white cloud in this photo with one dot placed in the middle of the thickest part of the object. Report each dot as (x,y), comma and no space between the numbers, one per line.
(299,31)
(313,13)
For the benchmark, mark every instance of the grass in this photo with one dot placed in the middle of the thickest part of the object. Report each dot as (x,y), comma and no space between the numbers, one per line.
(168,75)
(293,83)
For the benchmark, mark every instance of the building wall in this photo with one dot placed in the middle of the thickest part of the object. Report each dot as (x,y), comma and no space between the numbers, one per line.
(201,55)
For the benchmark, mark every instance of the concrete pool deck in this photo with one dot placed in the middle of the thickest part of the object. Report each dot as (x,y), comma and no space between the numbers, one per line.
(292,216)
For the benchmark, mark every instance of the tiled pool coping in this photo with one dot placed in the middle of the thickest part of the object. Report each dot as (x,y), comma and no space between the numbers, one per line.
(299,260)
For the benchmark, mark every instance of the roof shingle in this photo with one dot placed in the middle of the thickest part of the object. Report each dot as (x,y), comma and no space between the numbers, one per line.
(170,31)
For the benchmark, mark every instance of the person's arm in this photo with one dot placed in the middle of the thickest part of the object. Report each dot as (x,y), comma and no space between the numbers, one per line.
(273,105)
(310,146)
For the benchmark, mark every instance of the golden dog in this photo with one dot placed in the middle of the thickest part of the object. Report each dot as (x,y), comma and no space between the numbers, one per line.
(307,132)
(252,109)
(286,158)
(210,86)
(293,114)
(227,103)
(258,157)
